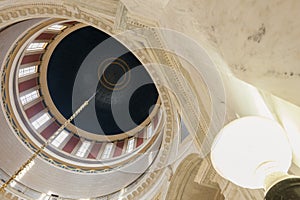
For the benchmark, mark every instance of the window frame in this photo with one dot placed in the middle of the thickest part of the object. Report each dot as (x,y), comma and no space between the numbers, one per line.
(36,46)
(41,120)
(83,149)
(26,71)
(29,97)
(107,150)
(58,140)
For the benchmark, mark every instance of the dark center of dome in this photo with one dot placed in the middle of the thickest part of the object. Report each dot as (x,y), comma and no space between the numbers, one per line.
(88,61)
(114,74)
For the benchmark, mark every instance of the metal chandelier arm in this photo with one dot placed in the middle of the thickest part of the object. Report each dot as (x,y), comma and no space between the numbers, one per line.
(39,150)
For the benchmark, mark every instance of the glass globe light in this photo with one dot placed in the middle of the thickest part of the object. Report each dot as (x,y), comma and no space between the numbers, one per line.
(249,149)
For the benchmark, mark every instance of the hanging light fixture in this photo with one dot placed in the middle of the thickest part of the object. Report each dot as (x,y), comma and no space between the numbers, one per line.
(29,163)
(254,152)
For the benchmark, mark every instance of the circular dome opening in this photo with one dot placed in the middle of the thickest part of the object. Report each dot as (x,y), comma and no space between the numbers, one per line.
(88,61)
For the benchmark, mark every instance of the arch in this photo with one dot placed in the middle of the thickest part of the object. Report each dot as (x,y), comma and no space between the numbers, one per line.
(183,186)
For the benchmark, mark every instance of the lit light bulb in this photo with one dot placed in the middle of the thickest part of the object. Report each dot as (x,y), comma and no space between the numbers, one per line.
(249,149)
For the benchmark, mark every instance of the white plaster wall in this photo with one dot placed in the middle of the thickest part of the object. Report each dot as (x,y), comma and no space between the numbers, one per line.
(289,115)
(258,40)
(245,99)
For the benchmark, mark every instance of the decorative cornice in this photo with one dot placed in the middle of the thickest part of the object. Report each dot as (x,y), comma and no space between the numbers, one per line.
(88,15)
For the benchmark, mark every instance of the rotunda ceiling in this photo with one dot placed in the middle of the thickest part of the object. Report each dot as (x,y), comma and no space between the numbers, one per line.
(88,61)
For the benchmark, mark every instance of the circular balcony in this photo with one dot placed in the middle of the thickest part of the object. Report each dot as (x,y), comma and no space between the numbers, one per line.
(34,118)
(42,119)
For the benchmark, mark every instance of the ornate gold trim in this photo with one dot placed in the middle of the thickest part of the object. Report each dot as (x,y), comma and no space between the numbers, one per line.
(20,12)
(45,155)
(60,118)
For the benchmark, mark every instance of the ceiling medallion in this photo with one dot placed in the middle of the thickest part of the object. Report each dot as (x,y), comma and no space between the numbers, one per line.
(114,74)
